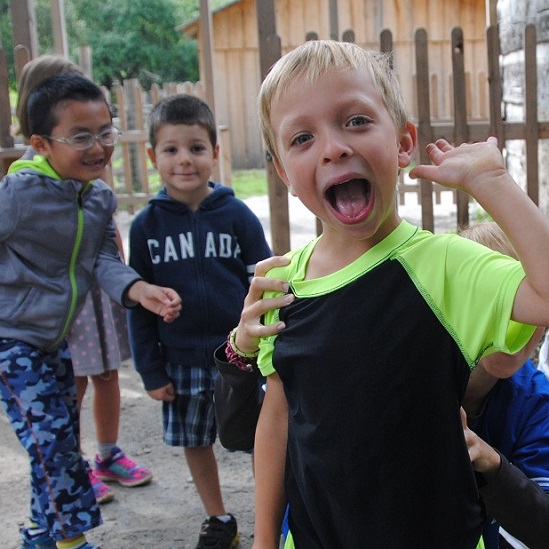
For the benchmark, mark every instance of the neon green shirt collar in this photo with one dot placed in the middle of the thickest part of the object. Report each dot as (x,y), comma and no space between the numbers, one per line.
(38,163)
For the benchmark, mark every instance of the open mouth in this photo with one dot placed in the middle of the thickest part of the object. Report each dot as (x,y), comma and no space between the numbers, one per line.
(350,199)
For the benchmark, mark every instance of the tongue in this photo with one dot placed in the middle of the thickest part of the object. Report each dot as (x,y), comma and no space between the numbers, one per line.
(349,198)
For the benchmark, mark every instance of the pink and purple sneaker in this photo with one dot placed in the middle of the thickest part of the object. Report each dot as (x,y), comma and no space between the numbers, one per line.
(120,468)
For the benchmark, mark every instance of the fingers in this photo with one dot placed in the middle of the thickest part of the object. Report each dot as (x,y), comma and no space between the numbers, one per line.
(251,327)
(262,267)
(261,284)
(463,415)
(171,308)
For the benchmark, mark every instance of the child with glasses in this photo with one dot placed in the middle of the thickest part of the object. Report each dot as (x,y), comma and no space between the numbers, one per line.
(98,338)
(56,237)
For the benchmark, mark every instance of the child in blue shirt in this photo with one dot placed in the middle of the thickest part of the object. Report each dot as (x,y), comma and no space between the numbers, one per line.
(197,237)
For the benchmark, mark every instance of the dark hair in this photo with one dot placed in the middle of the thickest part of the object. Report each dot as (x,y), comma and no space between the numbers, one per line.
(47,96)
(182,109)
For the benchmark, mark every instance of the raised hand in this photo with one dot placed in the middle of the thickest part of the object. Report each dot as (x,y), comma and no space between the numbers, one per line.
(464,167)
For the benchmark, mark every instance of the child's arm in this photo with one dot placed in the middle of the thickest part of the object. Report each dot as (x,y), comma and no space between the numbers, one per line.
(507,490)
(479,170)
(269,463)
(250,328)
(165,302)
(503,365)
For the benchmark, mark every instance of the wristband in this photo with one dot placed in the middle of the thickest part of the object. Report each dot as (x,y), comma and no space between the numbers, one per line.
(231,340)
(243,361)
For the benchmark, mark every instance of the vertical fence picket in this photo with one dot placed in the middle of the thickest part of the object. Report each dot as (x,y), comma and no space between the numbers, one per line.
(461,133)
(425,134)
(531,129)
(494,78)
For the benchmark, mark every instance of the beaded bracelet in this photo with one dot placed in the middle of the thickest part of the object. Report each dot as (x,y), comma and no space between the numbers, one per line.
(243,361)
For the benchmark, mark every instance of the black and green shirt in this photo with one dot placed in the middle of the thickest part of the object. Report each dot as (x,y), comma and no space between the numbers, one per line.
(374,360)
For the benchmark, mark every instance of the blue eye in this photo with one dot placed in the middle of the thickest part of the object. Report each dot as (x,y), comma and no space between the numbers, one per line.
(359,121)
(300,139)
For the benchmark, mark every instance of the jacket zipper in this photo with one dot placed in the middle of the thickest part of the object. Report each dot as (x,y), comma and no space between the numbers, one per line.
(72,274)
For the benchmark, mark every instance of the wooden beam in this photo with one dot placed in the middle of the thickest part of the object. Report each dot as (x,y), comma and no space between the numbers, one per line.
(59,30)
(491,12)
(425,135)
(333,18)
(461,135)
(23,21)
(531,112)
(6,139)
(206,43)
(270,52)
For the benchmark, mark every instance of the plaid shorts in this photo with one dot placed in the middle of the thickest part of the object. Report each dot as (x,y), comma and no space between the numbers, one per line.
(189,420)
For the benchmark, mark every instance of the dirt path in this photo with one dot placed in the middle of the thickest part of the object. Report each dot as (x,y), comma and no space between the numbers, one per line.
(165,514)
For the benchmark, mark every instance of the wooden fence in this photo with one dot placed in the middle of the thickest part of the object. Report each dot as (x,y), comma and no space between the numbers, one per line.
(129,171)
(460,130)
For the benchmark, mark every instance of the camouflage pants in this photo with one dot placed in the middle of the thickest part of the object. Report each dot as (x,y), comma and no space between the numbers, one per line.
(38,393)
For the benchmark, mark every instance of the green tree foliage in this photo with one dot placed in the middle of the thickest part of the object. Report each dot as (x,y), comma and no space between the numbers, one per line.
(135,39)
(128,38)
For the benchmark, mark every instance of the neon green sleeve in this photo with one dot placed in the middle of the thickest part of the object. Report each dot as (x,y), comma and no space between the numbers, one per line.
(472,291)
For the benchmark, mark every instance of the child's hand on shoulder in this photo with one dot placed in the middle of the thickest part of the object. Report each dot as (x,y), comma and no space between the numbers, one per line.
(465,167)
(166,393)
(165,302)
(250,328)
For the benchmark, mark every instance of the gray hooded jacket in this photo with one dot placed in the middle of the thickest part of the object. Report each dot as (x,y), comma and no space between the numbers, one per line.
(55,237)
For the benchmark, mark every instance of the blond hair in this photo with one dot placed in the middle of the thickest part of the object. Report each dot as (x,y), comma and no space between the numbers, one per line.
(489,234)
(317,58)
(35,72)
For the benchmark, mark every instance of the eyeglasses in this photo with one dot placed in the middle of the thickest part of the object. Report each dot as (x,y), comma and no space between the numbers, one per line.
(86,140)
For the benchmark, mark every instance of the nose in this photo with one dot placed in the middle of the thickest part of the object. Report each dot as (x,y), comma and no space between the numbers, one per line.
(96,143)
(183,156)
(335,147)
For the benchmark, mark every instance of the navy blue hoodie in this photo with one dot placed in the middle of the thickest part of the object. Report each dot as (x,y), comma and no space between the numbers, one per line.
(208,257)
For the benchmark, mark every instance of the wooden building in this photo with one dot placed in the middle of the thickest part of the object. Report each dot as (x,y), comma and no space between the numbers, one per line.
(236,67)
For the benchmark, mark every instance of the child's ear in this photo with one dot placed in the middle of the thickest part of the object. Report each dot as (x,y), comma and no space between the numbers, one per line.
(152,156)
(40,144)
(215,155)
(407,145)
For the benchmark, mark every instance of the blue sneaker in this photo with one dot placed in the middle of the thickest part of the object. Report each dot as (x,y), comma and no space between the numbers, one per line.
(36,541)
